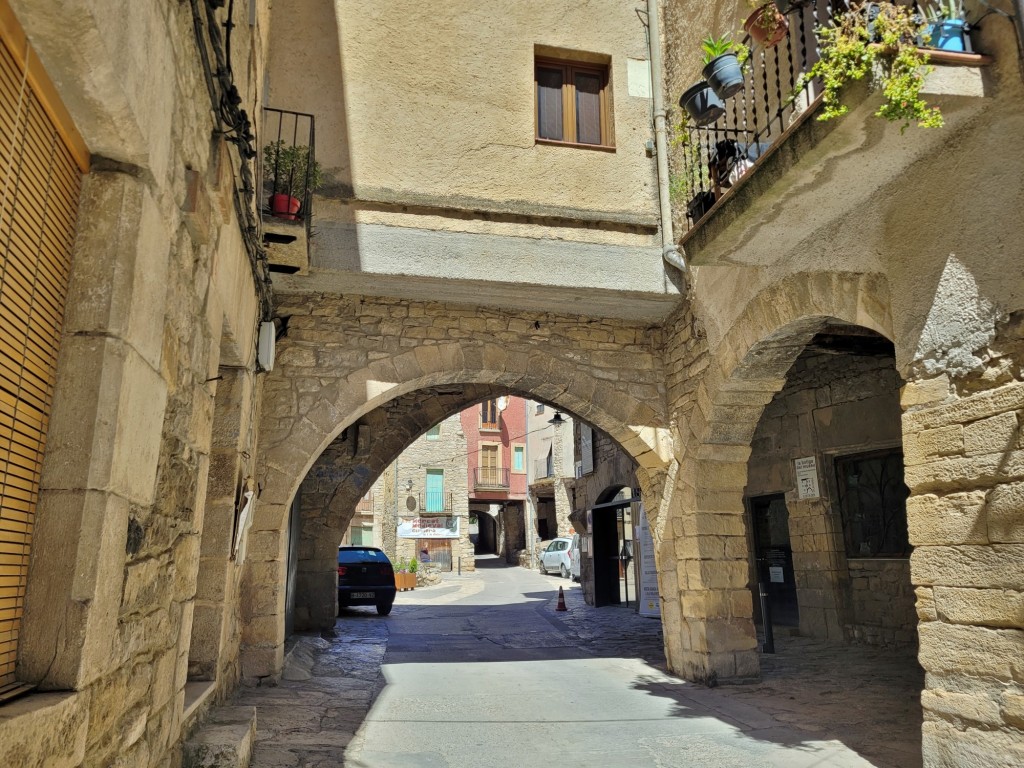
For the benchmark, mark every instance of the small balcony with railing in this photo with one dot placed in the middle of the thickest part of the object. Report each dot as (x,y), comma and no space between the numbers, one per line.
(431,502)
(290,174)
(491,479)
(759,158)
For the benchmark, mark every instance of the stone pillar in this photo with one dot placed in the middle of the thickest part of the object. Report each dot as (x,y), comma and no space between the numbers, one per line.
(964,455)
(709,630)
(105,435)
(563,507)
(819,564)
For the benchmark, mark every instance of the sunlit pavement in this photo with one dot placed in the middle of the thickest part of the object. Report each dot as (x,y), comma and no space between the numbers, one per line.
(481,671)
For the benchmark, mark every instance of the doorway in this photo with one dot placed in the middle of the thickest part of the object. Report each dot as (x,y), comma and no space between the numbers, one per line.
(774,557)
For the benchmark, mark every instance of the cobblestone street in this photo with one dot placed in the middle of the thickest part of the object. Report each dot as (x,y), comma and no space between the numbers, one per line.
(513,674)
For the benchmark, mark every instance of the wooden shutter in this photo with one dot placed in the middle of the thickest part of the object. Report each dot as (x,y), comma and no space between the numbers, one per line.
(41,164)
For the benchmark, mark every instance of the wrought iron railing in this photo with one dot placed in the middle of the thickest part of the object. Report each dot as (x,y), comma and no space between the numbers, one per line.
(713,157)
(492,477)
(436,501)
(290,169)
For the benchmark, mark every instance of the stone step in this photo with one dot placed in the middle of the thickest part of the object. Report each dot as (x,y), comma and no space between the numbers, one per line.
(225,740)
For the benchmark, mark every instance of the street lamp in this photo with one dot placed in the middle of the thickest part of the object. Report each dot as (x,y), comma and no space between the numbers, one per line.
(556,420)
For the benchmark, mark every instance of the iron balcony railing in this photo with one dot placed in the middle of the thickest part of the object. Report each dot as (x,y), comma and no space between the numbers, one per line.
(495,478)
(290,169)
(436,501)
(715,156)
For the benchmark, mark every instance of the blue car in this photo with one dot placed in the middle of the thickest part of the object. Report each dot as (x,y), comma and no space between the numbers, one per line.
(365,577)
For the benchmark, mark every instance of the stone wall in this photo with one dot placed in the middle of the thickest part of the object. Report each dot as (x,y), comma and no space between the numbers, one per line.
(132,593)
(834,403)
(882,603)
(965,468)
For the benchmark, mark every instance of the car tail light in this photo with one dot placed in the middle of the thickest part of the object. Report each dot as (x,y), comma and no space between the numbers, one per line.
(386,570)
(342,570)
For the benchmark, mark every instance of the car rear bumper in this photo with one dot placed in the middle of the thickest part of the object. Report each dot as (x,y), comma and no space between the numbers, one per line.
(360,595)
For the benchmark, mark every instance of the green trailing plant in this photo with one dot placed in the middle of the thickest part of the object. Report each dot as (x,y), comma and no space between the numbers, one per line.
(691,174)
(714,47)
(890,55)
(288,165)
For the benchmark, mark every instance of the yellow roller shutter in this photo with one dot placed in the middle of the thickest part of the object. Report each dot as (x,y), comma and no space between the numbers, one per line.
(41,165)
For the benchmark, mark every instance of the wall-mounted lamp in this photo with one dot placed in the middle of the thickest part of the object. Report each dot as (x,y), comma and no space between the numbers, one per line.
(408,484)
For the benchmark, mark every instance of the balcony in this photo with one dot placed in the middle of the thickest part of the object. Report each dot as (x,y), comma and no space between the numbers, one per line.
(290,174)
(365,504)
(491,479)
(436,501)
(767,172)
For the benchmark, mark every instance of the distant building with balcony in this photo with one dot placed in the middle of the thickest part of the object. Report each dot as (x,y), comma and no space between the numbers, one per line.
(496,464)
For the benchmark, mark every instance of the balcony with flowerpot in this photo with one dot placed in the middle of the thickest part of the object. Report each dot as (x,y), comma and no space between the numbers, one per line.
(290,175)
(776,168)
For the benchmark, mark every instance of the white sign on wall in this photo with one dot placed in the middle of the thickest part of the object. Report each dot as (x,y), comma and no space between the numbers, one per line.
(807,478)
(429,528)
(650,601)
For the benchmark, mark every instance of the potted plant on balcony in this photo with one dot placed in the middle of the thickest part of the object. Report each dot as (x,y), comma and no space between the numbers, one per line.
(294,174)
(849,52)
(767,25)
(723,65)
(701,103)
(947,28)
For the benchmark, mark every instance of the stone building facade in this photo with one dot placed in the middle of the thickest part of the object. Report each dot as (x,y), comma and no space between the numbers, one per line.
(460,270)
(133,614)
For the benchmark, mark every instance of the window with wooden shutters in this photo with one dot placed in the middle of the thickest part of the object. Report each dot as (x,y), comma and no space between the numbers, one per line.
(489,414)
(572,103)
(41,164)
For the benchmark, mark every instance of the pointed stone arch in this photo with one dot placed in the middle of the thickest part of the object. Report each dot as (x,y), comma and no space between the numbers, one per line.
(705,528)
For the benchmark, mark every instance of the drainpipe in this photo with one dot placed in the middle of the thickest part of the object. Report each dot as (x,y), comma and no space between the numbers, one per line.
(669,251)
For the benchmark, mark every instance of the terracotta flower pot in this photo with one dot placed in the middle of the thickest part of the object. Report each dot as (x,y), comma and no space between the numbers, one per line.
(285,206)
(766,26)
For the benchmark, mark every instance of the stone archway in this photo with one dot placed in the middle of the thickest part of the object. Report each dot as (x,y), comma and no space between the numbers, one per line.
(709,631)
(346,358)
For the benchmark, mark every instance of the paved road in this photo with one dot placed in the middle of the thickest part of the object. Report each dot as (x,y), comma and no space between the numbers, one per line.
(480,671)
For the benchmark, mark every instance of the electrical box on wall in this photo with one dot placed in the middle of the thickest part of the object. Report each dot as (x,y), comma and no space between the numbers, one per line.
(266,346)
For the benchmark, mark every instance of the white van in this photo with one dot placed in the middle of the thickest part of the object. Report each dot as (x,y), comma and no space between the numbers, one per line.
(575,557)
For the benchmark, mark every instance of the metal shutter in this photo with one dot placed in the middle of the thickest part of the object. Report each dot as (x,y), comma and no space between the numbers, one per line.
(41,168)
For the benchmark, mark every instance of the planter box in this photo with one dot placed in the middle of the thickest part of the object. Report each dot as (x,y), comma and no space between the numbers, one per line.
(404,581)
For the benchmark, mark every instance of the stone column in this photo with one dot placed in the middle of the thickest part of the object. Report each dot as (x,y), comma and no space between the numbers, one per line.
(964,455)
(563,507)
(709,631)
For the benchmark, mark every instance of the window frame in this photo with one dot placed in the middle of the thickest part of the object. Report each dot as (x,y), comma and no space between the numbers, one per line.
(569,69)
(841,465)
(520,450)
(434,433)
(492,406)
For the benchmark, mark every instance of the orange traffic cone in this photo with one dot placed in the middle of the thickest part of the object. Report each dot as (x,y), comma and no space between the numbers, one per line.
(561,601)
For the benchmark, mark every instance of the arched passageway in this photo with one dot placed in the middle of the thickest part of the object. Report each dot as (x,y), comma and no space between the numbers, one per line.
(329,395)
